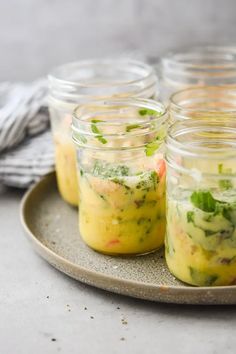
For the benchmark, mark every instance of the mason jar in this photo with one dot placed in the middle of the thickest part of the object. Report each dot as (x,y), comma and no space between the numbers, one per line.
(206,102)
(201,201)
(121,175)
(198,66)
(76,83)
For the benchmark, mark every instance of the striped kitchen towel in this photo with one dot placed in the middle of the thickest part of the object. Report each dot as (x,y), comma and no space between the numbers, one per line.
(26,149)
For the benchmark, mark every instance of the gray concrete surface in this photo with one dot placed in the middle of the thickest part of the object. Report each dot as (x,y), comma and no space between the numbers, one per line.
(39,304)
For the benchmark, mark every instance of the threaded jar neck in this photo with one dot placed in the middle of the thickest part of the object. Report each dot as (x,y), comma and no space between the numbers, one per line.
(203,102)
(201,147)
(119,124)
(205,65)
(81,81)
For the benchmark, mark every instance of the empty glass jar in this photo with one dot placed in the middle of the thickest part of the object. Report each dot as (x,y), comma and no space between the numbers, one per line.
(199,66)
(201,201)
(203,103)
(121,175)
(76,83)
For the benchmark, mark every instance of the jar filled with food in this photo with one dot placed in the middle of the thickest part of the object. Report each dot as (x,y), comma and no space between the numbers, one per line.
(121,175)
(76,83)
(199,66)
(207,102)
(201,201)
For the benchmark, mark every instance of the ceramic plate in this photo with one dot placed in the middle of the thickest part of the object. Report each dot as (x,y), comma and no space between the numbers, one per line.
(52,227)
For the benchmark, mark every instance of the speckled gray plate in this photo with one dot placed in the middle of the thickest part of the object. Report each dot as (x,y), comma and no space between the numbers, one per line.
(51,226)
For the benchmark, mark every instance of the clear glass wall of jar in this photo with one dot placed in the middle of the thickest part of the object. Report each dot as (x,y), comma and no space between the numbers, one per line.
(201,201)
(203,102)
(199,66)
(121,175)
(76,83)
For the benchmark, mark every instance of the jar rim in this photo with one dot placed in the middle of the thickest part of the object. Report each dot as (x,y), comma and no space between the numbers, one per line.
(217,94)
(80,122)
(183,58)
(144,103)
(191,66)
(57,77)
(201,127)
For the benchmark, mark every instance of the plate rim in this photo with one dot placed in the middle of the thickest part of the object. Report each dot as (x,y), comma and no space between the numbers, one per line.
(44,251)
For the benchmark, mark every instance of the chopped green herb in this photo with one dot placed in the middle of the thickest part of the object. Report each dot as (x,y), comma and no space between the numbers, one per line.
(151,147)
(225,184)
(203,200)
(210,280)
(209,232)
(99,136)
(146,111)
(148,179)
(121,182)
(97,120)
(223,170)
(102,197)
(81,172)
(154,145)
(105,170)
(202,278)
(132,126)
(220,168)
(208,218)
(190,216)
(95,129)
(226,214)
(101,139)
(142,221)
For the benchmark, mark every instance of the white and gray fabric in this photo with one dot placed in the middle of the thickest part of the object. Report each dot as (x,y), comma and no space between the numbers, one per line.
(26,149)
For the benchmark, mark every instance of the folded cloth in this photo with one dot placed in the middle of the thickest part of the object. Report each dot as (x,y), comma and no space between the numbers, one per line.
(29,162)
(26,149)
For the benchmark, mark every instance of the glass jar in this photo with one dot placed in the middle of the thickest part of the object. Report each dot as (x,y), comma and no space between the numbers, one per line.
(203,102)
(199,66)
(121,175)
(201,201)
(76,83)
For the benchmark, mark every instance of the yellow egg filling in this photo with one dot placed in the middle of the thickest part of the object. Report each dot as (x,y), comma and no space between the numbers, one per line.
(201,240)
(124,214)
(66,171)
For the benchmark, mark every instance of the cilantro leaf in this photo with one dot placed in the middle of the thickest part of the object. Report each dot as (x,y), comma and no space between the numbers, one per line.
(151,147)
(203,200)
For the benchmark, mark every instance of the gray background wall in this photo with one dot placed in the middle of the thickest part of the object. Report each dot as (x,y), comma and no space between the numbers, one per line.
(35,35)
